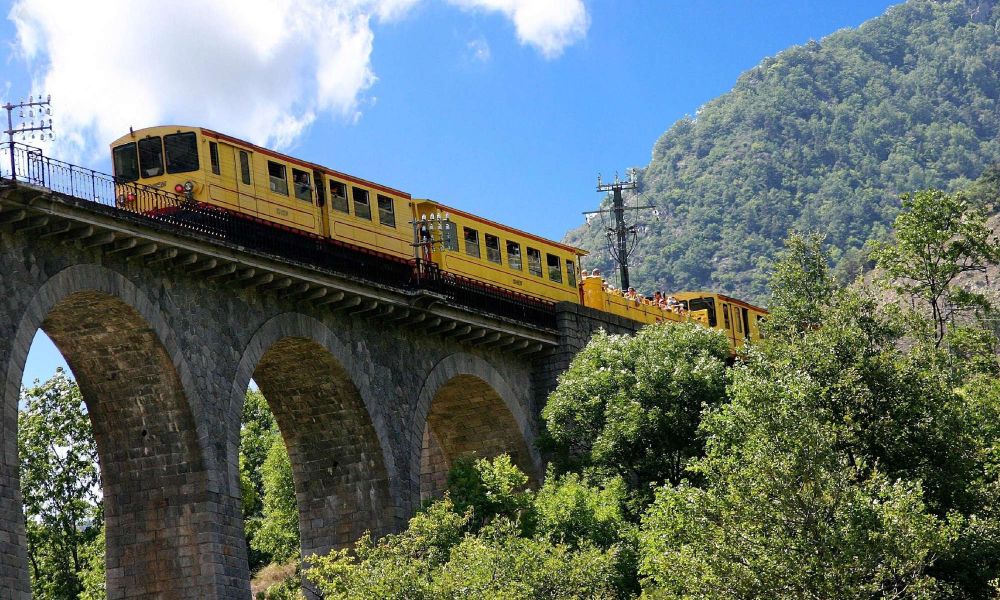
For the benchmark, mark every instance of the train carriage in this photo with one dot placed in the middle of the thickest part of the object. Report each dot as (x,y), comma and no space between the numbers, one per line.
(515,260)
(213,169)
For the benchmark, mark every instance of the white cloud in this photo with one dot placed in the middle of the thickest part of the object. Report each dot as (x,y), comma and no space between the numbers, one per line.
(263,70)
(479,48)
(548,25)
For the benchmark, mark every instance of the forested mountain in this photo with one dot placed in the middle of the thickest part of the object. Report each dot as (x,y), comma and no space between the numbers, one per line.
(822,136)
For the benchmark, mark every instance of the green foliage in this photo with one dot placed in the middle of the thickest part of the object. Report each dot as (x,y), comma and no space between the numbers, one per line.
(488,488)
(270,512)
(399,566)
(820,137)
(499,563)
(836,429)
(630,407)
(278,535)
(568,511)
(257,432)
(878,467)
(801,285)
(93,576)
(440,557)
(60,486)
(937,238)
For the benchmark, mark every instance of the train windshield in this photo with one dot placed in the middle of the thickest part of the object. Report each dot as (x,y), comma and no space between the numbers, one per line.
(182,152)
(126,162)
(704,304)
(150,157)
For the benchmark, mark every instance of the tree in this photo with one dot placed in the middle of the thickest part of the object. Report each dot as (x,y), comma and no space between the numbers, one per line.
(801,285)
(939,237)
(278,535)
(448,553)
(630,407)
(60,486)
(488,488)
(812,475)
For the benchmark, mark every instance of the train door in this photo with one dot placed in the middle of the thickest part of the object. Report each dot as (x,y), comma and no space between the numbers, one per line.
(738,328)
(223,162)
(319,182)
(245,180)
(727,323)
(746,323)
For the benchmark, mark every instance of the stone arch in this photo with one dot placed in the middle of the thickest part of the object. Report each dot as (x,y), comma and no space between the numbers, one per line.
(465,406)
(145,418)
(337,441)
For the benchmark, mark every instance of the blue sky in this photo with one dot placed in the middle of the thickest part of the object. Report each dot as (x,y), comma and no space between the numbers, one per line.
(506,108)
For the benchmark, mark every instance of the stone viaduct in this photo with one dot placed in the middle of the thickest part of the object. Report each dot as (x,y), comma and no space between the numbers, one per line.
(376,390)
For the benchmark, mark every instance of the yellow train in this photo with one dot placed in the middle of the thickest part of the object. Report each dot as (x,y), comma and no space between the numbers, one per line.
(382,228)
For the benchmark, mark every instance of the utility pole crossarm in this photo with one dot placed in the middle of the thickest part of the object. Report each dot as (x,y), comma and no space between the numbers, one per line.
(622,237)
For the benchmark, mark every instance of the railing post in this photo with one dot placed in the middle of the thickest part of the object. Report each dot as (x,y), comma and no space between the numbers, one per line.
(13,163)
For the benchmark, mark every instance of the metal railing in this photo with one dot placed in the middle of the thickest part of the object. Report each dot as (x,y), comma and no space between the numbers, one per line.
(135,201)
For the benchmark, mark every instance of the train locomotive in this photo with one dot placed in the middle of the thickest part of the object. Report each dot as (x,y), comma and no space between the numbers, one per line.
(280,193)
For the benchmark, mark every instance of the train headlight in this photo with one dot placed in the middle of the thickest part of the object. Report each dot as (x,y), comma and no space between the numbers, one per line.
(188,186)
(179,188)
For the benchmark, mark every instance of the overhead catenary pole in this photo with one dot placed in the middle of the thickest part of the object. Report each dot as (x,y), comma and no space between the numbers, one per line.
(623,235)
(621,232)
(42,127)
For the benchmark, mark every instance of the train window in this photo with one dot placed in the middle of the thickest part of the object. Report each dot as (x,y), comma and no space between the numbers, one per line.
(725,316)
(182,152)
(706,304)
(570,274)
(493,248)
(302,184)
(126,162)
(150,157)
(448,236)
(471,241)
(362,209)
(555,267)
(534,262)
(245,167)
(277,177)
(514,255)
(213,156)
(386,212)
(338,196)
(760,325)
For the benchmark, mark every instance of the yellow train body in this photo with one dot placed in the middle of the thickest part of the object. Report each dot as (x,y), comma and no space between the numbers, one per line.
(212,169)
(503,256)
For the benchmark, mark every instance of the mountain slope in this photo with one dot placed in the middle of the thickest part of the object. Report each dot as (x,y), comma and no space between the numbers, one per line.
(822,136)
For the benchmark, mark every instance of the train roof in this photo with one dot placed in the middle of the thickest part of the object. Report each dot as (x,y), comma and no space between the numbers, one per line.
(494,224)
(729,299)
(268,152)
